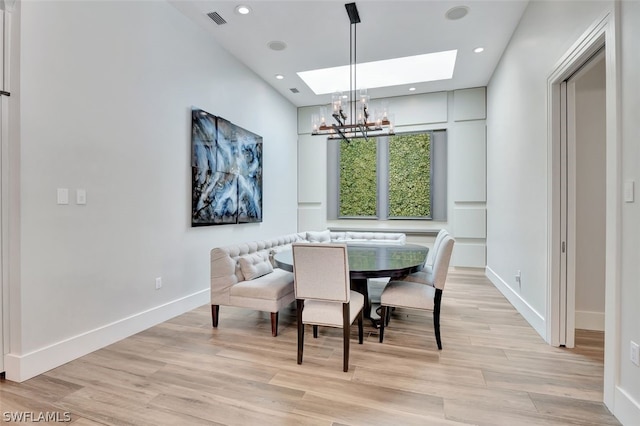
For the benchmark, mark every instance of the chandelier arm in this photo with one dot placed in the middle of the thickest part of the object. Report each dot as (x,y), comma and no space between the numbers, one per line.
(363,130)
(341,133)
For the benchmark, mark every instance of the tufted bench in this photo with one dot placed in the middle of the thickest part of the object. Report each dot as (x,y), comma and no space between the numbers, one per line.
(368,237)
(244,275)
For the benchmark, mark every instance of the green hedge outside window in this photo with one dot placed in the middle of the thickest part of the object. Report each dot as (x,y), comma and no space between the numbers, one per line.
(406,161)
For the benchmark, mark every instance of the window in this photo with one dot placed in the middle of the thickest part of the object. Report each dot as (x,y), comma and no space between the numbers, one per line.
(358,178)
(389,177)
(410,176)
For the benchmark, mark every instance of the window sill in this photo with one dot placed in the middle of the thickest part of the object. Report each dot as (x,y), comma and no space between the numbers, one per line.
(431,232)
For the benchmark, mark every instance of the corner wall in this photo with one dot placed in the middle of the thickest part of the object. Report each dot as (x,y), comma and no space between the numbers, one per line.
(517,150)
(462,113)
(103,104)
(517,176)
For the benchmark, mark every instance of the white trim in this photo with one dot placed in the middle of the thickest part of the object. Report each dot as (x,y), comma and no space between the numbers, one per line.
(4,181)
(627,410)
(4,307)
(564,240)
(613,242)
(532,316)
(571,212)
(23,367)
(602,32)
(570,229)
(554,224)
(586,320)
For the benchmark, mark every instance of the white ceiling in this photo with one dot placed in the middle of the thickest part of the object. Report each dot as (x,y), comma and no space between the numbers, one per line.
(317,36)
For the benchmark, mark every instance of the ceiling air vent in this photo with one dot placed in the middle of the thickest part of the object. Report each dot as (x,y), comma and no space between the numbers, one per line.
(294,90)
(215,17)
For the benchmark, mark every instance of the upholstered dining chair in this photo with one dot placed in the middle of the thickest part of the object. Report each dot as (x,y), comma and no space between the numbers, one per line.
(431,256)
(421,276)
(323,292)
(417,294)
(377,284)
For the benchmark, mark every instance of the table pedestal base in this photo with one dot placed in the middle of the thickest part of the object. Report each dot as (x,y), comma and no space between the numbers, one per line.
(361,286)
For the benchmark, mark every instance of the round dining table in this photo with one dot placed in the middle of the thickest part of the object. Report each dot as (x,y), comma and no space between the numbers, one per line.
(371,261)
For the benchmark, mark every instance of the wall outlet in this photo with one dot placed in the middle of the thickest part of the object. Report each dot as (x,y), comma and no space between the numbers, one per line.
(63,195)
(635,353)
(158,283)
(81,196)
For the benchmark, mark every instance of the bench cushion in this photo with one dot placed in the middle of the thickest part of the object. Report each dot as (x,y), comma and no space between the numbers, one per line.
(376,238)
(255,265)
(319,237)
(271,286)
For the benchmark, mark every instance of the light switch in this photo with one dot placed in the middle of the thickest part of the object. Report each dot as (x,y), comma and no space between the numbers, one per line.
(63,195)
(81,196)
(629,191)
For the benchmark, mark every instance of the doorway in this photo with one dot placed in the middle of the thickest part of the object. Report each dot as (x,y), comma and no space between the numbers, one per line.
(583,199)
(601,34)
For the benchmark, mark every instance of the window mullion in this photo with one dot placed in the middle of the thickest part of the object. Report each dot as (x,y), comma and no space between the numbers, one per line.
(383,177)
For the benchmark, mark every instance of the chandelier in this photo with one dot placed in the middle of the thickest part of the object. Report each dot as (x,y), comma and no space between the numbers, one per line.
(353,117)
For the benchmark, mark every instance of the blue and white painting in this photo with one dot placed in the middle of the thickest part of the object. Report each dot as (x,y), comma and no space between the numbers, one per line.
(226,172)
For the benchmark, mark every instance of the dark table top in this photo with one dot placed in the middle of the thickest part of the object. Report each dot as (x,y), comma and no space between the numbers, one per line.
(373,260)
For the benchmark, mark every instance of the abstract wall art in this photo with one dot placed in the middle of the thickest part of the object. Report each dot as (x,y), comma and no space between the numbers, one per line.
(226,170)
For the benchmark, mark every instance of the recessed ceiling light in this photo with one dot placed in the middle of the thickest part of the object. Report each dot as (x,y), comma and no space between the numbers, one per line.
(412,89)
(279,76)
(478,50)
(390,72)
(277,45)
(243,10)
(457,12)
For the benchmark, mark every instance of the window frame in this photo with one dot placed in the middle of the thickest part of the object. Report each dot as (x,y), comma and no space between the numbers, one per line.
(438,179)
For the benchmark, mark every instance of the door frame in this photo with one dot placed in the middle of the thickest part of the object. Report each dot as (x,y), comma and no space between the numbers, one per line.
(602,33)
(6,14)
(4,282)
(569,199)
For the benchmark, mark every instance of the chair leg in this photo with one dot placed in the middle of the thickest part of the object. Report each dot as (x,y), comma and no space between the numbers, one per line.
(346,328)
(315,331)
(382,322)
(274,324)
(360,328)
(300,306)
(215,313)
(436,316)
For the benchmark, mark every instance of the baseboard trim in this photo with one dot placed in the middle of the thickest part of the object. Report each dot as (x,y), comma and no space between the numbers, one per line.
(19,368)
(586,320)
(626,409)
(532,316)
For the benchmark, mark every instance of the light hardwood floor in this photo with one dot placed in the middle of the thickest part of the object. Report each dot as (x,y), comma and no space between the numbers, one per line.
(494,369)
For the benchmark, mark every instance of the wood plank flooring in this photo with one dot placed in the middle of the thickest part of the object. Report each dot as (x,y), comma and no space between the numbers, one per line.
(494,369)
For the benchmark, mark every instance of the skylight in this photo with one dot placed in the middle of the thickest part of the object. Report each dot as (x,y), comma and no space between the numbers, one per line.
(389,72)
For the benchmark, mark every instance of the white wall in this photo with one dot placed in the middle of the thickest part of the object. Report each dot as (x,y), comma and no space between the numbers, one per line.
(517,172)
(104,98)
(463,114)
(517,149)
(629,315)
(590,197)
